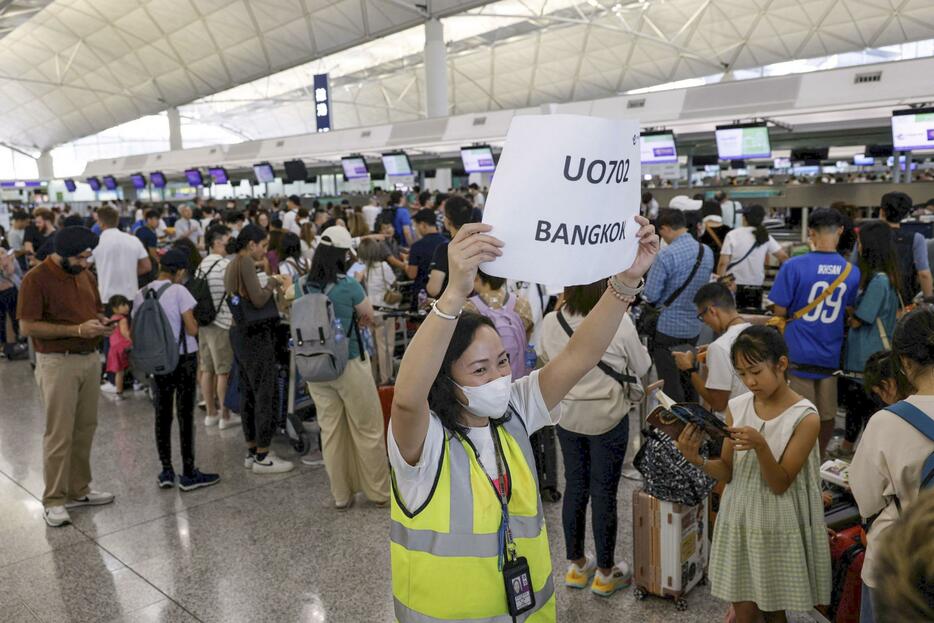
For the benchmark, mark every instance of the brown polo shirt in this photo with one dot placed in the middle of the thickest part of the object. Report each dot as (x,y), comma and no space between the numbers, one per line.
(49,294)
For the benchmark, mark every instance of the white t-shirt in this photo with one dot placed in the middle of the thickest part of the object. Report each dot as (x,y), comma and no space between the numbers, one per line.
(479,200)
(116,256)
(751,271)
(414,482)
(731,213)
(720,372)
(290,222)
(369,215)
(288,267)
(377,281)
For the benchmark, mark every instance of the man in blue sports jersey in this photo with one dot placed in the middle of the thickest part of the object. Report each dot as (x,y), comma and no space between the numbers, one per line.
(815,340)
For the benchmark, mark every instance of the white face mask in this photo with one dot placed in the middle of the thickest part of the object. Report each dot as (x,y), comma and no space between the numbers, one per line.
(489,400)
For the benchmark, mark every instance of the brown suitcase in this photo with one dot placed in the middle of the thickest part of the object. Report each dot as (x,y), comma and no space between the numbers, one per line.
(670,547)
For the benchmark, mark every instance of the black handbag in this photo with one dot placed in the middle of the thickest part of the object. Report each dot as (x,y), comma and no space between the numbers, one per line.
(647,314)
(246,314)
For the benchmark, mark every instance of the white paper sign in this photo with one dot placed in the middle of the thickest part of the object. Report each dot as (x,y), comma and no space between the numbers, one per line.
(563,199)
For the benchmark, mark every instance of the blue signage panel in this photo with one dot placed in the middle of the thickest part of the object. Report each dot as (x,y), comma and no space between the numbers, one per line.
(322,97)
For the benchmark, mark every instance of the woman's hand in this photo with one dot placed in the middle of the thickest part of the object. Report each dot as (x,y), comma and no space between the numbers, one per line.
(689,443)
(471,247)
(648,249)
(747,438)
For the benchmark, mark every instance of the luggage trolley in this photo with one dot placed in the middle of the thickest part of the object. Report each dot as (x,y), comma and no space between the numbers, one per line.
(294,402)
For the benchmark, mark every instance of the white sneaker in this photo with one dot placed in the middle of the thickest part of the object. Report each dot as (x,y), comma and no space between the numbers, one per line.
(230,422)
(109,388)
(211,421)
(93,498)
(272,465)
(57,516)
(248,461)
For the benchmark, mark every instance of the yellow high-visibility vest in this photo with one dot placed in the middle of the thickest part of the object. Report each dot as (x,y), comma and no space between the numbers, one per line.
(445,555)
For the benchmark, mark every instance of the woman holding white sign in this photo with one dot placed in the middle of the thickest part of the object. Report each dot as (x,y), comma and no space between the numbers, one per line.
(465,501)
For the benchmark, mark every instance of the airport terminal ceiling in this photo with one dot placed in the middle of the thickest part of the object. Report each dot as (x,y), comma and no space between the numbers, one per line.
(77,67)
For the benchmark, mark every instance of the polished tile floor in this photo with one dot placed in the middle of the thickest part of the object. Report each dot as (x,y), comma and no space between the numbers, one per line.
(252,548)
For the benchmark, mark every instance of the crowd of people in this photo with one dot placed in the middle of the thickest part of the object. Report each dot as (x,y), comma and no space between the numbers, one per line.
(202,300)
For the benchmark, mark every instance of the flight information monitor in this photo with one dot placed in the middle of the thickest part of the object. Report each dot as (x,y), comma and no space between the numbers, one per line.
(94,183)
(658,147)
(913,129)
(264,173)
(355,167)
(478,159)
(70,185)
(139,181)
(158,179)
(397,163)
(747,140)
(194,177)
(219,175)
(110,182)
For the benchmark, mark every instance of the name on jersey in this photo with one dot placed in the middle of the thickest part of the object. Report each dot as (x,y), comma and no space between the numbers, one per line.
(829,269)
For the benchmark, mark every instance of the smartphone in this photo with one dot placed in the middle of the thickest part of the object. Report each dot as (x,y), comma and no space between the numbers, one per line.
(111,322)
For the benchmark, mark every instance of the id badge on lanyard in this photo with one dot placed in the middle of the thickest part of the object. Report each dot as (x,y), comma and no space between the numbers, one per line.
(517,577)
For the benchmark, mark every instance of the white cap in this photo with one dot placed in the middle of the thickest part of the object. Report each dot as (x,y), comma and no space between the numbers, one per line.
(337,236)
(684,203)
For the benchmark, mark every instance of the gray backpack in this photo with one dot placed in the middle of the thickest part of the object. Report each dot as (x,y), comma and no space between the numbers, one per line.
(155,346)
(319,340)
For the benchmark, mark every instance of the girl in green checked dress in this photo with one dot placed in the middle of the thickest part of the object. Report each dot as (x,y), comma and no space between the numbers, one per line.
(770,551)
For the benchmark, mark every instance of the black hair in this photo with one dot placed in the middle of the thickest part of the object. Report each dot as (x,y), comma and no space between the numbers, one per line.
(754,215)
(710,208)
(426,216)
(878,253)
(395,197)
(116,301)
(883,365)
(20,215)
(914,337)
(759,344)
(494,282)
(715,294)
(327,263)
(213,233)
(152,214)
(290,246)
(672,218)
(442,397)
(302,213)
(580,300)
(190,249)
(646,197)
(331,222)
(424,197)
(823,219)
(276,223)
(458,211)
(295,200)
(250,233)
(234,216)
(896,205)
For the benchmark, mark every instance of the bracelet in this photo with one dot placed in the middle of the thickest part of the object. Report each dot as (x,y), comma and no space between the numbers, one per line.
(629,300)
(437,311)
(79,331)
(620,288)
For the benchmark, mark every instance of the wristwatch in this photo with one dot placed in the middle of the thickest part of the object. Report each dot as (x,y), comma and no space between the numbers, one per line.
(693,369)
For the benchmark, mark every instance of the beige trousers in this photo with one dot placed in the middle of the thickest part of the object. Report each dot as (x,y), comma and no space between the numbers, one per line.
(384,334)
(70,388)
(352,443)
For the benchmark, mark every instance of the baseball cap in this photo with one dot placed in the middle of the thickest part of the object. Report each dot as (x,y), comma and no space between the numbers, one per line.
(337,237)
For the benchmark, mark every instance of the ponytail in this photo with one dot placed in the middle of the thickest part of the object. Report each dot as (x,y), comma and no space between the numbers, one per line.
(754,215)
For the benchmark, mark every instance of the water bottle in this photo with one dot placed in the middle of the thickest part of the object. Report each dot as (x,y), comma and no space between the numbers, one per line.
(530,357)
(338,326)
(368,343)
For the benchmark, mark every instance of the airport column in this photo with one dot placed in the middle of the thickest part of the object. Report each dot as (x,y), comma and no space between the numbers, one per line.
(44,165)
(436,69)
(175,129)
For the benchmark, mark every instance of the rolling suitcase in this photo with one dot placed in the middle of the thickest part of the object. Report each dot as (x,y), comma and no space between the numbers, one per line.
(545,450)
(670,547)
(847,552)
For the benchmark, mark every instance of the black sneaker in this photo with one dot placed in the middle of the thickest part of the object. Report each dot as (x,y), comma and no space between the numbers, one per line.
(197,480)
(167,479)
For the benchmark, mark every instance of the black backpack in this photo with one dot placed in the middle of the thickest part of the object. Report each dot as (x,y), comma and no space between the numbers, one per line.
(205,311)
(907,272)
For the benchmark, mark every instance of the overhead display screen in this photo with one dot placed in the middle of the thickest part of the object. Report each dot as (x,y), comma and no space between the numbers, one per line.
(913,129)
(861,160)
(139,181)
(354,167)
(157,179)
(194,177)
(397,164)
(738,142)
(264,173)
(219,175)
(295,171)
(94,183)
(110,182)
(70,185)
(478,159)
(658,147)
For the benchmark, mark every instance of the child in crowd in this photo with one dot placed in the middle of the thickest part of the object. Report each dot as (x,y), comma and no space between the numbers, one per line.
(882,381)
(118,355)
(770,551)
